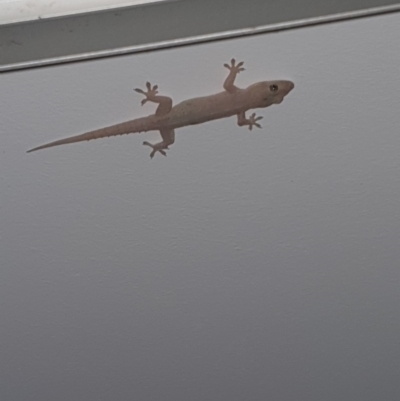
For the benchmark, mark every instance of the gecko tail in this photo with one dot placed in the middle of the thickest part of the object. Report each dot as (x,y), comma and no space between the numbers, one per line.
(73,139)
(129,127)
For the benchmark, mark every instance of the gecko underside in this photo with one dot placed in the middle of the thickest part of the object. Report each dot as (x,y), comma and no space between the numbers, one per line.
(191,112)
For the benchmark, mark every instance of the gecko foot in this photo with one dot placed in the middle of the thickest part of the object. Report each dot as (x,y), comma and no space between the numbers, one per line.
(252,120)
(235,68)
(158,147)
(150,93)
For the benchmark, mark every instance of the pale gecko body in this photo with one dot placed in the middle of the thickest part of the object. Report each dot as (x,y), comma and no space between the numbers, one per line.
(232,101)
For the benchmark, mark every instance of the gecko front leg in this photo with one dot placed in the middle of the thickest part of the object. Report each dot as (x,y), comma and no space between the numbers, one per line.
(164,107)
(234,70)
(251,121)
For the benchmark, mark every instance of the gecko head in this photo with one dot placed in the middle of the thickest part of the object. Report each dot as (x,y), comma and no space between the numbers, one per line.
(271,92)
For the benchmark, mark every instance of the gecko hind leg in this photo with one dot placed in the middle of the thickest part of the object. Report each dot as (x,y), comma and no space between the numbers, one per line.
(164,102)
(157,147)
(168,136)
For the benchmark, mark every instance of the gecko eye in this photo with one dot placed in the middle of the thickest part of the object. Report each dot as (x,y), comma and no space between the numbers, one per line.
(273,88)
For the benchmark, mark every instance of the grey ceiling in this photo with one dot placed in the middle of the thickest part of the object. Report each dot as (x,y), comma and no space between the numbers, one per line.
(244,266)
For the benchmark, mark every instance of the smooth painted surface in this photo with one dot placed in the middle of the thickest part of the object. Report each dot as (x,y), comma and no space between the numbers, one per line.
(244,266)
(165,24)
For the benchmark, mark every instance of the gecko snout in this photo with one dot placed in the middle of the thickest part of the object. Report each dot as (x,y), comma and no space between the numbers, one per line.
(289,85)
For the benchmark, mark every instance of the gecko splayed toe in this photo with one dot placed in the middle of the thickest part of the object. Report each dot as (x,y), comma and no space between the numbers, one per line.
(156,148)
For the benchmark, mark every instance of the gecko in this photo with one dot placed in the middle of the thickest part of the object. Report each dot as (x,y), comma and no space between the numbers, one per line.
(230,102)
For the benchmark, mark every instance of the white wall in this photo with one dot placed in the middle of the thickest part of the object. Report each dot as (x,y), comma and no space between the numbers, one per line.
(243,266)
(25,10)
